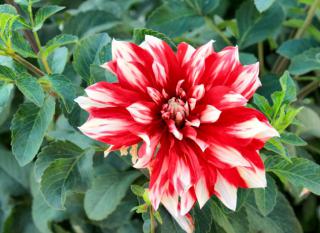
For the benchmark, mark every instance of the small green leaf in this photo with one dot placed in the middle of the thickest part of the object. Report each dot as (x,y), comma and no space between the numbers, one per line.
(43,14)
(7,73)
(28,128)
(21,46)
(292,139)
(64,88)
(266,198)
(87,53)
(111,185)
(288,87)
(30,88)
(275,145)
(58,41)
(139,35)
(137,190)
(58,59)
(301,172)
(263,104)
(6,96)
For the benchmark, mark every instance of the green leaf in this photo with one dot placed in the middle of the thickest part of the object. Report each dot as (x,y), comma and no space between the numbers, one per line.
(28,128)
(6,96)
(91,22)
(43,14)
(111,185)
(30,88)
(305,62)
(9,9)
(58,41)
(280,220)
(275,145)
(263,5)
(288,87)
(204,7)
(169,224)
(9,165)
(58,59)
(292,48)
(266,198)
(292,139)
(61,176)
(139,35)
(42,214)
(22,46)
(254,27)
(7,73)
(301,172)
(203,219)
(137,190)
(53,151)
(64,88)
(263,104)
(174,18)
(310,120)
(87,53)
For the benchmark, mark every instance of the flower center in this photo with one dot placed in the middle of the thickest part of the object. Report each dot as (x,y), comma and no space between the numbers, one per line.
(175,109)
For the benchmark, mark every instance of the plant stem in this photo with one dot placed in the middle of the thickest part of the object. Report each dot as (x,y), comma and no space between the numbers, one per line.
(217,30)
(36,36)
(35,70)
(261,57)
(152,224)
(281,63)
(308,20)
(308,89)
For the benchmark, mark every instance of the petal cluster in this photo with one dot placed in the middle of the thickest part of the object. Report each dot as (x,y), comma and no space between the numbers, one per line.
(187,109)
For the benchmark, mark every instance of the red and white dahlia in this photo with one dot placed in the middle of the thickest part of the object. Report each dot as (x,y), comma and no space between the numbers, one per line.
(188,110)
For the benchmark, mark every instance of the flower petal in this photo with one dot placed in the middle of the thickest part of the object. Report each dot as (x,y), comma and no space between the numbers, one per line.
(143,112)
(226,192)
(245,80)
(184,53)
(210,114)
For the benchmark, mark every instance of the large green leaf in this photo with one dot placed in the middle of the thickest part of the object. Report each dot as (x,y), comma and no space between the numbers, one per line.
(30,88)
(10,166)
(90,22)
(204,7)
(263,5)
(174,18)
(266,198)
(305,62)
(87,53)
(43,14)
(301,172)
(64,88)
(28,128)
(63,174)
(281,220)
(291,48)
(55,150)
(106,193)
(254,27)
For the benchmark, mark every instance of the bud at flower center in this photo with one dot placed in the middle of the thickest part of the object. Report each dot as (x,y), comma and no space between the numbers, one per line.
(175,109)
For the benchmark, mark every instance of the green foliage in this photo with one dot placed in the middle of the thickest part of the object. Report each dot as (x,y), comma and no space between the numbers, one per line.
(47,58)
(28,128)
(30,88)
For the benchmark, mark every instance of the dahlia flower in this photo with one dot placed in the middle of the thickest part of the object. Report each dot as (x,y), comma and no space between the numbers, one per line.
(187,109)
